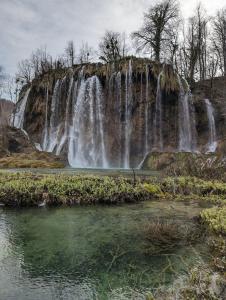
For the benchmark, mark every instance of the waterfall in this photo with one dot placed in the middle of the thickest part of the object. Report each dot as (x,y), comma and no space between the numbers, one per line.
(119,105)
(212,143)
(158,138)
(18,117)
(100,121)
(128,104)
(187,135)
(45,139)
(53,130)
(110,120)
(147,112)
(64,137)
(86,135)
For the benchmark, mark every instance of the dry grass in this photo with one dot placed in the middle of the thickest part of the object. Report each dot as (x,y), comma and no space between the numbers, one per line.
(165,235)
(32,160)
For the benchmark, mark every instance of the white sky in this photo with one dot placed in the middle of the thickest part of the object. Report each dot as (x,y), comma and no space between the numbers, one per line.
(28,24)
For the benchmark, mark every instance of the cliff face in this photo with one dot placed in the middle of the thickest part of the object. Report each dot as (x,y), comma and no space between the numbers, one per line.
(215,91)
(113,115)
(6,109)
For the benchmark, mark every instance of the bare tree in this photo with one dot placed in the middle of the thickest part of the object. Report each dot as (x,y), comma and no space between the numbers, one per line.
(194,48)
(41,61)
(10,88)
(112,46)
(2,81)
(86,54)
(219,38)
(70,53)
(157,27)
(25,70)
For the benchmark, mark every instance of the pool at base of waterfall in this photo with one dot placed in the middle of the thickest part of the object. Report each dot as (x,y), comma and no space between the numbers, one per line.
(97,252)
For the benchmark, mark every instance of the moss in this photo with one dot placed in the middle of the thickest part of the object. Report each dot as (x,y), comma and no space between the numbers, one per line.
(29,190)
(153,189)
(12,162)
(193,186)
(215,218)
(169,80)
(31,160)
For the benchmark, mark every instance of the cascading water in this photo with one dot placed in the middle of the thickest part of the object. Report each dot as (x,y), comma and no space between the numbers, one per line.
(158,137)
(187,134)
(51,138)
(212,143)
(86,135)
(18,117)
(133,126)
(147,112)
(119,105)
(65,129)
(45,138)
(128,107)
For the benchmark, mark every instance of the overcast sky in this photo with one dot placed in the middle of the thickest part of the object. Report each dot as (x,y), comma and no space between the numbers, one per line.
(28,24)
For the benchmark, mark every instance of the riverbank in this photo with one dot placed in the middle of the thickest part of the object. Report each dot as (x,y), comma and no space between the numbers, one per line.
(26,189)
(30,189)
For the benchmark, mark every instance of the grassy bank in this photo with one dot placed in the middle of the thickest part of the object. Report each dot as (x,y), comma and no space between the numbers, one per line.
(29,189)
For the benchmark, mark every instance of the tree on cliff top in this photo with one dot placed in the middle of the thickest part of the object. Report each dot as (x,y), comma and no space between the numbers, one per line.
(157,28)
(112,46)
(219,38)
(70,53)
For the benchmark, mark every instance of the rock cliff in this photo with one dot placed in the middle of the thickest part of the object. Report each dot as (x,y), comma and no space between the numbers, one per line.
(113,115)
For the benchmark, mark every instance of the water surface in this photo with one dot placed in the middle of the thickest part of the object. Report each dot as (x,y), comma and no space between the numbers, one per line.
(96,252)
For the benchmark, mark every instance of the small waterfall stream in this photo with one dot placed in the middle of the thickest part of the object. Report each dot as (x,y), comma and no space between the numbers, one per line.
(158,137)
(119,106)
(65,129)
(128,108)
(18,117)
(53,130)
(147,112)
(45,138)
(212,144)
(187,131)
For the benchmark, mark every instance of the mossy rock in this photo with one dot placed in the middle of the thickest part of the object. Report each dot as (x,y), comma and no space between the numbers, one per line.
(186,164)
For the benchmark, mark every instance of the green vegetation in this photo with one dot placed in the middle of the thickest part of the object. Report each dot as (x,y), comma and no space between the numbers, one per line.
(161,236)
(215,218)
(29,190)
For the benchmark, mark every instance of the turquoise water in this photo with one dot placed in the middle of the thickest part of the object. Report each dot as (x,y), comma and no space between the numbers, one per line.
(94,252)
(99,172)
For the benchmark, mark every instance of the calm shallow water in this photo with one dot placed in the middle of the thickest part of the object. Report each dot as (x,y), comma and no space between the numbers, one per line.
(98,172)
(88,252)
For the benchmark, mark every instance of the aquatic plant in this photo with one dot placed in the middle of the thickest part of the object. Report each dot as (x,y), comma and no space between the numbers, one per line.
(164,235)
(215,218)
(153,189)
